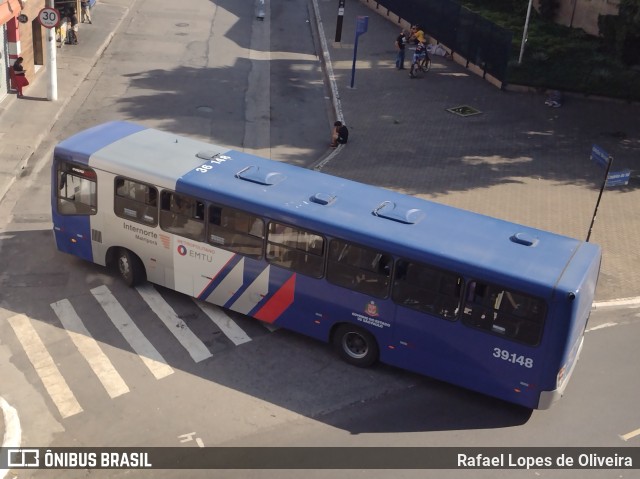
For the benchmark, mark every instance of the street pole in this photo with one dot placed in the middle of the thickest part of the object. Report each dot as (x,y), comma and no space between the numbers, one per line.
(524,33)
(339,20)
(362,24)
(604,184)
(52,87)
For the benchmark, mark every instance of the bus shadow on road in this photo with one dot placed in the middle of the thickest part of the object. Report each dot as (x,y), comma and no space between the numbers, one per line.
(283,369)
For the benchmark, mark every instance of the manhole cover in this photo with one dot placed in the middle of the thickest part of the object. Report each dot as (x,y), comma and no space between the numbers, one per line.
(464,110)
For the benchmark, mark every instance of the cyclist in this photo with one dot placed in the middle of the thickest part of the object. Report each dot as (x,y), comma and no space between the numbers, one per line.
(419,57)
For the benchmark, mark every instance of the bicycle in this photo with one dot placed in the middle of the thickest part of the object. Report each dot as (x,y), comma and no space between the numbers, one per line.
(421,63)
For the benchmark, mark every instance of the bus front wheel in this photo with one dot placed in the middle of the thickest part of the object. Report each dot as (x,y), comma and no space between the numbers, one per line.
(355,345)
(130,267)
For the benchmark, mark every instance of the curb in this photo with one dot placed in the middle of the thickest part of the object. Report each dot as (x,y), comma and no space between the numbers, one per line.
(617,303)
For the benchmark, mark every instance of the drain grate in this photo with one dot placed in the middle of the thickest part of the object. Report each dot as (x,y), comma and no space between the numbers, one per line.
(464,110)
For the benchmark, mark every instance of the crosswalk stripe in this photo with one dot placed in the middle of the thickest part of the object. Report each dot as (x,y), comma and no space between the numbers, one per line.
(149,355)
(89,348)
(46,369)
(196,348)
(229,328)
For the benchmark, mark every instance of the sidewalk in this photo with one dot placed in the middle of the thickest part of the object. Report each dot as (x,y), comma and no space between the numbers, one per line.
(517,159)
(24,123)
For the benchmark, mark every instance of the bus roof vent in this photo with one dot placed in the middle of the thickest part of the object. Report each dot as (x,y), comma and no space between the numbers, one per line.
(323,198)
(524,239)
(395,212)
(207,154)
(257,175)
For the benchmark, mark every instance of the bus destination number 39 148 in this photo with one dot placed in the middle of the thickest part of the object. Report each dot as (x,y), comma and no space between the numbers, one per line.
(512,357)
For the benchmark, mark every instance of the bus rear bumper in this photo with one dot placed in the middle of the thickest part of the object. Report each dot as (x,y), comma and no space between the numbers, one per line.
(547,398)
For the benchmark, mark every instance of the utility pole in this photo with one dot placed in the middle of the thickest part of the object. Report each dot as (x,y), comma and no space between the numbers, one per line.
(52,87)
(524,33)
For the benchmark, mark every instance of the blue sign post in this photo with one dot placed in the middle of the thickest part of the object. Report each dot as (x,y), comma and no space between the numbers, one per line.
(603,159)
(618,178)
(614,178)
(599,156)
(362,24)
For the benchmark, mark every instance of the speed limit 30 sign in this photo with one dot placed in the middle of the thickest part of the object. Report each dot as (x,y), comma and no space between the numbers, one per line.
(49,17)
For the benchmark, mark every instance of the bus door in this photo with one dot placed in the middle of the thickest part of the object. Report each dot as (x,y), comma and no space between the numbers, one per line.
(74,199)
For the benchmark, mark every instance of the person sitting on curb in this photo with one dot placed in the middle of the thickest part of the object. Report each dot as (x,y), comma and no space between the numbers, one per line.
(339,135)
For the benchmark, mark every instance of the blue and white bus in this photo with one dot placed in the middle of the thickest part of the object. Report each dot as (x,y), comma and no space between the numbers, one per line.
(483,303)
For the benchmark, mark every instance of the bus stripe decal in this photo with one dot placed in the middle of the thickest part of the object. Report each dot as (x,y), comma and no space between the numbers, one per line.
(219,277)
(247,297)
(279,302)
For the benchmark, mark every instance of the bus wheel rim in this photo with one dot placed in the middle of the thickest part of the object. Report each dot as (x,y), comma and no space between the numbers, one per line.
(355,345)
(125,268)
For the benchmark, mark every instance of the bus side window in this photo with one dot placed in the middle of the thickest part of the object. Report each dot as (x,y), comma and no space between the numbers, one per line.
(504,312)
(295,249)
(427,289)
(182,215)
(136,201)
(358,268)
(76,190)
(236,231)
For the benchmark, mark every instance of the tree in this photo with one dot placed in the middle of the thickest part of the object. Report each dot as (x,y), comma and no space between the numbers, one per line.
(622,32)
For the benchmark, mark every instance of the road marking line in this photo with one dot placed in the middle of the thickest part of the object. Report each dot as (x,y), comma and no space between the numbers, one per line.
(602,326)
(630,435)
(149,355)
(46,369)
(89,348)
(196,348)
(230,329)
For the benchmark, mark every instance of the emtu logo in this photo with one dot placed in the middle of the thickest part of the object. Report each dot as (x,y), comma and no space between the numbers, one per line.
(182,250)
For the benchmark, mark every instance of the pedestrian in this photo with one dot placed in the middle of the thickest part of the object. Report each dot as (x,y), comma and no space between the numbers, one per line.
(73,33)
(19,76)
(339,135)
(85,14)
(401,42)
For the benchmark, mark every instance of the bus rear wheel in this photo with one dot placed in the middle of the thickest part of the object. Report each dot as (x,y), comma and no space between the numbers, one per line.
(130,267)
(355,345)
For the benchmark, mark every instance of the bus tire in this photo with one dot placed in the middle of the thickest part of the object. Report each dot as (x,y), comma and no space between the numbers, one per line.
(355,345)
(130,267)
